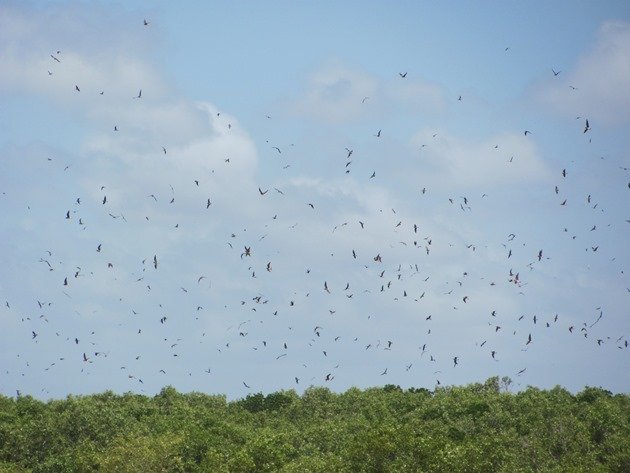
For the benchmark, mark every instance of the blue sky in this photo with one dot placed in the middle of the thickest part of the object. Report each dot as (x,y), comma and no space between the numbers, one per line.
(247,115)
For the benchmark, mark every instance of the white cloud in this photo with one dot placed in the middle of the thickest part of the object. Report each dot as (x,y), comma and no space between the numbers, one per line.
(338,93)
(600,77)
(417,94)
(335,93)
(496,161)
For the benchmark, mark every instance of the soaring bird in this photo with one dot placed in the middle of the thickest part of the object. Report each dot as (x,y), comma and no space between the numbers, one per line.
(586,126)
(403,75)
(555,73)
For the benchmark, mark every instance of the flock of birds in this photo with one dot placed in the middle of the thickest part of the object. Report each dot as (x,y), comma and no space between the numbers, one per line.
(369,276)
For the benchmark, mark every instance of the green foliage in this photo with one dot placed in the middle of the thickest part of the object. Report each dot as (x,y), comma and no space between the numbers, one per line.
(482,427)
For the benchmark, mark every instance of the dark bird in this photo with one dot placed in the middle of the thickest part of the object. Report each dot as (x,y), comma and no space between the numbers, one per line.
(455,359)
(145,22)
(155,261)
(378,134)
(403,75)
(384,372)
(76,87)
(56,59)
(139,96)
(245,384)
(262,192)
(586,126)
(555,73)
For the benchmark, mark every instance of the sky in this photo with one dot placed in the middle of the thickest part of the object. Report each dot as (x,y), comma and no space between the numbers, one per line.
(243,197)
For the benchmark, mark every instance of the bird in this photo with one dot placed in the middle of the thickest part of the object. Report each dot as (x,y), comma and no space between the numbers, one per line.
(586,126)
(403,75)
(455,360)
(262,192)
(76,87)
(246,385)
(139,96)
(146,22)
(555,73)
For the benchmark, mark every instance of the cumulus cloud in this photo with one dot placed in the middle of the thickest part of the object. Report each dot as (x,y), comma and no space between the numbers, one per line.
(336,93)
(597,85)
(339,93)
(499,160)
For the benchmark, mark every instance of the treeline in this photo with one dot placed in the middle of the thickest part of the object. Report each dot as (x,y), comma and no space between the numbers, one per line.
(477,428)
